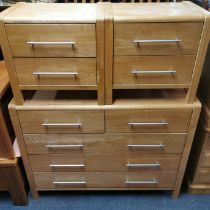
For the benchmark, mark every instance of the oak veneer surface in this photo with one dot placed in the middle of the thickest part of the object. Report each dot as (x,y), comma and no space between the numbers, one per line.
(52,13)
(156,12)
(4,79)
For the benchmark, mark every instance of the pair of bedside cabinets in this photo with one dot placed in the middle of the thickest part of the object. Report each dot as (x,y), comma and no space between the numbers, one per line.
(105,94)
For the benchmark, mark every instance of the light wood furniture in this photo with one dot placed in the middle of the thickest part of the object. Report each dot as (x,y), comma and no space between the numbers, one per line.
(11,178)
(50,53)
(148,135)
(154,50)
(139,141)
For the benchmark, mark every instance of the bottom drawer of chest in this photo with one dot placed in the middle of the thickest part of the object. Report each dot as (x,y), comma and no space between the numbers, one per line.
(62,181)
(204,175)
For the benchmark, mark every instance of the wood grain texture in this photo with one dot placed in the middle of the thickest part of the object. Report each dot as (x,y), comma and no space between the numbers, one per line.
(8,57)
(155,12)
(149,99)
(100,57)
(95,163)
(199,61)
(186,152)
(4,79)
(52,13)
(85,67)
(21,143)
(104,180)
(13,179)
(91,121)
(117,120)
(125,33)
(105,143)
(82,34)
(6,149)
(123,65)
(109,36)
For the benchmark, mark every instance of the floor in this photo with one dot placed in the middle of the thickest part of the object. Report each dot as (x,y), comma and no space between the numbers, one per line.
(129,200)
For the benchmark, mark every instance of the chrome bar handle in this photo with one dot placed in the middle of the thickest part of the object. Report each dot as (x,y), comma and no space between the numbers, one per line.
(67,165)
(146,145)
(62,124)
(171,71)
(55,74)
(64,146)
(51,43)
(143,164)
(154,181)
(139,41)
(33,43)
(147,123)
(70,182)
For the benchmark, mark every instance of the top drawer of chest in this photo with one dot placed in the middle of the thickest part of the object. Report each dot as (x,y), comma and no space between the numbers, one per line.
(52,40)
(157,38)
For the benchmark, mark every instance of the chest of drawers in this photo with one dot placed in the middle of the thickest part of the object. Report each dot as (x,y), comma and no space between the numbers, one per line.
(135,144)
(154,47)
(50,50)
(142,138)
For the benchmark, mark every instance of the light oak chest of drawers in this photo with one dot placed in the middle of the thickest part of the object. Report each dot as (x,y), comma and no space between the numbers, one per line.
(133,144)
(138,140)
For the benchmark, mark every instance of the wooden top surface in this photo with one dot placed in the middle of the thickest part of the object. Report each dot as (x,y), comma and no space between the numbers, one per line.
(50,100)
(51,13)
(4,79)
(157,12)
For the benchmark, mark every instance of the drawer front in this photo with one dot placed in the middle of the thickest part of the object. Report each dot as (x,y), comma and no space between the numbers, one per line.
(107,163)
(204,176)
(206,159)
(62,121)
(156,38)
(147,120)
(208,143)
(135,71)
(55,71)
(102,144)
(52,40)
(68,180)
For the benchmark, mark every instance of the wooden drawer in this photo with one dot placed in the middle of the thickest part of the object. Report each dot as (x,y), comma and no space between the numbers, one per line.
(147,120)
(68,180)
(52,40)
(152,36)
(204,176)
(206,160)
(62,121)
(109,162)
(137,71)
(55,71)
(108,143)
(208,142)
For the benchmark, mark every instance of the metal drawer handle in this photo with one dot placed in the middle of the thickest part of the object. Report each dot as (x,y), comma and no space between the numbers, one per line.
(154,181)
(143,164)
(147,123)
(38,74)
(70,146)
(146,145)
(72,43)
(81,165)
(139,41)
(70,182)
(170,71)
(61,125)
